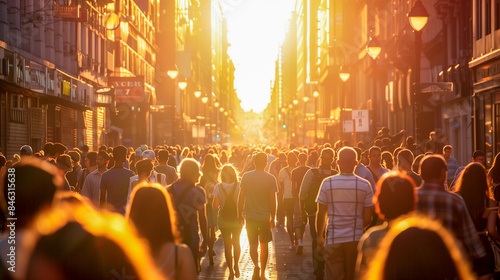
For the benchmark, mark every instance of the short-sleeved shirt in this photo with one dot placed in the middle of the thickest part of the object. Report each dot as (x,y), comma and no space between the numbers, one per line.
(365,173)
(449,208)
(258,186)
(285,177)
(92,186)
(168,171)
(116,182)
(346,196)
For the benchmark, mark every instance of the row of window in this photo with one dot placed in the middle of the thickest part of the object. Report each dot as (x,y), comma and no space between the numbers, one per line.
(484,9)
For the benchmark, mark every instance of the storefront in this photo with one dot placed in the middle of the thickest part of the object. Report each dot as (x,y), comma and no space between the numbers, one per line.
(486,106)
(37,104)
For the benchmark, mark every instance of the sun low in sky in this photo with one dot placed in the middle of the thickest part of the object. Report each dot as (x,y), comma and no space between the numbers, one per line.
(256,29)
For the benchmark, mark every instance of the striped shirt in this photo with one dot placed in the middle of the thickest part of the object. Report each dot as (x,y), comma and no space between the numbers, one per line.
(346,196)
(449,208)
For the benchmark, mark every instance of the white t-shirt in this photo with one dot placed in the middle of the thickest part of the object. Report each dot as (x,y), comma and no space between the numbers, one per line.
(285,178)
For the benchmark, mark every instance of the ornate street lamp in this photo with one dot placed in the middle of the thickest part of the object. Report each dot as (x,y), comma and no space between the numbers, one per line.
(418,16)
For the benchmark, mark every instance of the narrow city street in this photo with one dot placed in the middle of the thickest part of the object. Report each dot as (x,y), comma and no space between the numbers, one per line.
(283,263)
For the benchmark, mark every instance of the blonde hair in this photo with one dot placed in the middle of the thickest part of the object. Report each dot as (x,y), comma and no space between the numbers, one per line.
(378,265)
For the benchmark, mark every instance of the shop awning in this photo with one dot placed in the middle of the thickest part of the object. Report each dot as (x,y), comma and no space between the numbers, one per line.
(50,99)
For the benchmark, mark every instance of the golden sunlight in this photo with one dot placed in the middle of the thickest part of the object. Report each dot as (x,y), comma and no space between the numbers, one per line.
(256,29)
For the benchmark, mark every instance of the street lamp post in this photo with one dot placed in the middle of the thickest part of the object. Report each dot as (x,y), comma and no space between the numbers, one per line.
(344,76)
(197,94)
(373,48)
(182,86)
(316,95)
(418,17)
(217,128)
(304,124)
(204,100)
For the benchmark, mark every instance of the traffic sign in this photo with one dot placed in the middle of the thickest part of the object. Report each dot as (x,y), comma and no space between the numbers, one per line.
(362,120)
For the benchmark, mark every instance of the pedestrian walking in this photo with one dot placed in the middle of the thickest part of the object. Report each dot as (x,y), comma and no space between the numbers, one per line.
(437,203)
(352,197)
(90,164)
(152,214)
(208,181)
(92,186)
(472,186)
(396,196)
(299,220)
(258,199)
(163,167)
(225,199)
(308,193)
(189,200)
(285,187)
(115,183)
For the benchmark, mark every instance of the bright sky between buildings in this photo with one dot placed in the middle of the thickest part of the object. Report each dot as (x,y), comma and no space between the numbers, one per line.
(255,30)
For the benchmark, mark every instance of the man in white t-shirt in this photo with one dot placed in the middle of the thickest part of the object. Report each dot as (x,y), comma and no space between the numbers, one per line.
(352,198)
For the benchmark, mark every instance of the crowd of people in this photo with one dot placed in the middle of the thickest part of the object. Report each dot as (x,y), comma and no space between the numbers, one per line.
(381,210)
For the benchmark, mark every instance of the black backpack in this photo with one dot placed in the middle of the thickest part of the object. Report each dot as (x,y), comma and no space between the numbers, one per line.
(182,220)
(229,211)
(310,201)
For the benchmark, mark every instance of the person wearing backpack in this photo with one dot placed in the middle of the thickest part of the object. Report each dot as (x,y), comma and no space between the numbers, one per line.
(189,201)
(225,199)
(308,193)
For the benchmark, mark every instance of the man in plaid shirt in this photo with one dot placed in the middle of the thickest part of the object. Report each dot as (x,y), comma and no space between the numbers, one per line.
(439,204)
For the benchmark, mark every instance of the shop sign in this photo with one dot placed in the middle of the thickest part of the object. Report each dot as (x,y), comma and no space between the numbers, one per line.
(128,89)
(64,11)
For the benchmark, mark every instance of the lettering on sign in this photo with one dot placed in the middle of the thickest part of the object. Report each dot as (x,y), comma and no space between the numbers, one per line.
(128,89)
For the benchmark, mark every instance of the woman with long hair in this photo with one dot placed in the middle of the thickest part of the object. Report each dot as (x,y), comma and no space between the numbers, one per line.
(152,214)
(208,182)
(226,197)
(472,185)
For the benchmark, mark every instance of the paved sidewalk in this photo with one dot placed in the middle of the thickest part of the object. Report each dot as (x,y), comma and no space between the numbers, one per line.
(283,262)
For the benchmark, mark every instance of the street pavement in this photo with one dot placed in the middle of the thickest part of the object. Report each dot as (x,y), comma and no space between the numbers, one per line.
(283,263)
